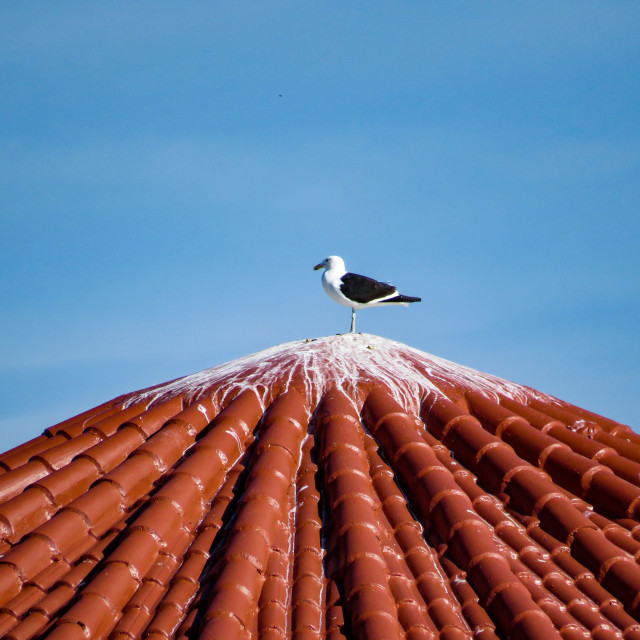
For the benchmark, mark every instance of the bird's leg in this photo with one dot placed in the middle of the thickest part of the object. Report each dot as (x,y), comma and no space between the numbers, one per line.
(353,320)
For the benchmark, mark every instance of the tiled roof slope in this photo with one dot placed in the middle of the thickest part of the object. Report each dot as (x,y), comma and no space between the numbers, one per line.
(345,487)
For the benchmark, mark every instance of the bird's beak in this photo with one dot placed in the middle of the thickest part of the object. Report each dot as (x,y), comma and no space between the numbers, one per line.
(318,266)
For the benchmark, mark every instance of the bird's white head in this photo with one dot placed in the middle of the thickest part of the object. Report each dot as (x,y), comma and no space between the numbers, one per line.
(331,263)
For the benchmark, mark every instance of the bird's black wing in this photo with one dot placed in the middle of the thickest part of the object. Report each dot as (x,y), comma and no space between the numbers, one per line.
(362,289)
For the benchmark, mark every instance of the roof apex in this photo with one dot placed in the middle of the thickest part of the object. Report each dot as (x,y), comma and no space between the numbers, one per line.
(353,362)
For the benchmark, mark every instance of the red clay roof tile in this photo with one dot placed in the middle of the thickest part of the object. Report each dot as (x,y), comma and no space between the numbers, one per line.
(346,487)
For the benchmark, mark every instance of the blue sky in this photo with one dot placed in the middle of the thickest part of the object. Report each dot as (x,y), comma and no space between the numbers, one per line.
(170,173)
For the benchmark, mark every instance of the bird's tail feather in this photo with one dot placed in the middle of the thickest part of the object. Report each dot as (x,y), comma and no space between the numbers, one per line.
(404,300)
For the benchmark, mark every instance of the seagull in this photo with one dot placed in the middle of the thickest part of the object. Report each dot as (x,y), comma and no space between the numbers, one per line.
(355,291)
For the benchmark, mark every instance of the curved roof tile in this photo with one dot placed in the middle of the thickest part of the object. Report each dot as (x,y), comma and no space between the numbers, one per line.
(345,487)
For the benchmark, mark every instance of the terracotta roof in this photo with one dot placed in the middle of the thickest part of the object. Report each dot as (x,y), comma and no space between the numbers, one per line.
(345,487)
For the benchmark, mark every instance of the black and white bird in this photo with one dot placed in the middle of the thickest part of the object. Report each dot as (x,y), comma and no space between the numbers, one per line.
(355,291)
